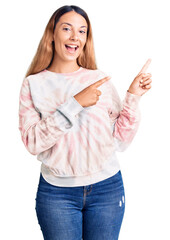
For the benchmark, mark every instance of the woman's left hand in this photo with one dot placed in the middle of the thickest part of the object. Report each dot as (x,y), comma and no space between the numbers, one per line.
(142,82)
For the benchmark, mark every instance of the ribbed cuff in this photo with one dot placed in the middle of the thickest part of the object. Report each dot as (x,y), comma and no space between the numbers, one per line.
(132,100)
(70,108)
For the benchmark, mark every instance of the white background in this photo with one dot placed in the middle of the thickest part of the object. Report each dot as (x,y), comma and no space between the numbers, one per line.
(126,34)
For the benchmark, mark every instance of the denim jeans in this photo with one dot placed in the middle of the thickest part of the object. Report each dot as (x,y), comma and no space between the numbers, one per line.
(91,212)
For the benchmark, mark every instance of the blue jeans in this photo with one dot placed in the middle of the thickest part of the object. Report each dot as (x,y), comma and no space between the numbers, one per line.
(92,212)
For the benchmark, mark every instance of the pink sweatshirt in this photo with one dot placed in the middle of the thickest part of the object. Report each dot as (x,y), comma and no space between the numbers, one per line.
(76,145)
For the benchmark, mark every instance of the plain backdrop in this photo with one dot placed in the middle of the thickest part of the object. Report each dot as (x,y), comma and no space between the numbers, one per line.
(126,34)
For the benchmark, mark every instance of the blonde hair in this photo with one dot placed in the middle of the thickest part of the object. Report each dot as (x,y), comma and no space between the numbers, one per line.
(45,51)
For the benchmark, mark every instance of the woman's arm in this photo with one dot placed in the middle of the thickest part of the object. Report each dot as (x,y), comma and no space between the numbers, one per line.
(39,134)
(127,122)
(124,117)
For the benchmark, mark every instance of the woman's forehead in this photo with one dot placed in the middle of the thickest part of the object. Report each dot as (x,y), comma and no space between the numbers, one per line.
(72,18)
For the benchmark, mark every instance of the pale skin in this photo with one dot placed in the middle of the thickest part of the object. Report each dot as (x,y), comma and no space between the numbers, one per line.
(72,29)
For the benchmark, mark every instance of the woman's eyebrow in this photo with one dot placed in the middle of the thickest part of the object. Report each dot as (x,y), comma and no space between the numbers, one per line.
(70,24)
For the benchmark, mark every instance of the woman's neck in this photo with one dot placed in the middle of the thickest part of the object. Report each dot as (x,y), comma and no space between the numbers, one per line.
(63,67)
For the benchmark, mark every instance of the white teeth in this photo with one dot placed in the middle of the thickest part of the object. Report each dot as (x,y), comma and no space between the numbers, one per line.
(71,46)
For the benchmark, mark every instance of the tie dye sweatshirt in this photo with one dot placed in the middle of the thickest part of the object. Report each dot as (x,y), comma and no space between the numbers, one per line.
(76,145)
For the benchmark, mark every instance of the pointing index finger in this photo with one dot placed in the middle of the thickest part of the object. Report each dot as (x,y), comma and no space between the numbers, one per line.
(101,81)
(145,67)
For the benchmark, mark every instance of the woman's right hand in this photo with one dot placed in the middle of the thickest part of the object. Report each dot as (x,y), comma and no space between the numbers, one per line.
(90,95)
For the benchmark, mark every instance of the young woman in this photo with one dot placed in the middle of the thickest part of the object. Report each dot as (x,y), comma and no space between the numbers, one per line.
(71,117)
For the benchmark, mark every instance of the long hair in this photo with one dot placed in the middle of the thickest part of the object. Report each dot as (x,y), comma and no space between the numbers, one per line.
(45,51)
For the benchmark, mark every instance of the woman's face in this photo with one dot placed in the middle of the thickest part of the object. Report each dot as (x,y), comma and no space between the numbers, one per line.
(70,36)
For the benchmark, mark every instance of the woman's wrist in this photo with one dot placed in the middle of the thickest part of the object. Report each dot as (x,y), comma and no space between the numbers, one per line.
(133,93)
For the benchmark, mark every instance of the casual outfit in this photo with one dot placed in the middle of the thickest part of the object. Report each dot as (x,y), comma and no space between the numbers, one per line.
(77,148)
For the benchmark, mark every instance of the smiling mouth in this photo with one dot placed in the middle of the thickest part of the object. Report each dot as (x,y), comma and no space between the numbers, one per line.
(71,49)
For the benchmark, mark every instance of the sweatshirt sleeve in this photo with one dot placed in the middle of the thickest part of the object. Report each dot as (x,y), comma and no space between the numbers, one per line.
(40,134)
(125,117)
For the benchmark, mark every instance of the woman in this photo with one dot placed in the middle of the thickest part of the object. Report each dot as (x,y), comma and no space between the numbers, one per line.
(74,133)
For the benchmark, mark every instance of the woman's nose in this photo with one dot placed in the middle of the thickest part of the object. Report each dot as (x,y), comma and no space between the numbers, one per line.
(74,36)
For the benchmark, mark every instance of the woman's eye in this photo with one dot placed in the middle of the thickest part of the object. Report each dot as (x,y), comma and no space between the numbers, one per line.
(69,29)
(66,29)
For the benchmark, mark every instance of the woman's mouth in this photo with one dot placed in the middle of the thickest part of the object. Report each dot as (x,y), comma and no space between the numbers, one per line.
(71,48)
